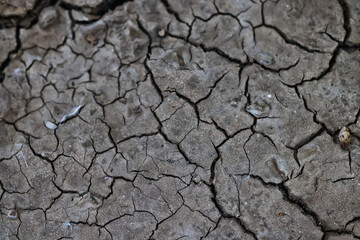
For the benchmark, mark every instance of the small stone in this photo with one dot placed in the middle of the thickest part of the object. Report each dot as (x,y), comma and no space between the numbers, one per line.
(67,226)
(234,103)
(259,107)
(180,59)
(50,125)
(12,214)
(47,17)
(161,33)
(92,39)
(265,59)
(344,137)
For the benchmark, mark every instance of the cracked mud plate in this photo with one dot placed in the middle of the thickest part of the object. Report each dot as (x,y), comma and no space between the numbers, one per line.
(168,119)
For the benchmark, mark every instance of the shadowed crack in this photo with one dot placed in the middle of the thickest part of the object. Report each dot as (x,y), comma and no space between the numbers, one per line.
(5,63)
(214,192)
(150,194)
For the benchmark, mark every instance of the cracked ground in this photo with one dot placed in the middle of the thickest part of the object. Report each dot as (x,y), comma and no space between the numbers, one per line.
(179,119)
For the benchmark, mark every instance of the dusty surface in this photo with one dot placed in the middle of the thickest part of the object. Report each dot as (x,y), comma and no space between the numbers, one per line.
(181,119)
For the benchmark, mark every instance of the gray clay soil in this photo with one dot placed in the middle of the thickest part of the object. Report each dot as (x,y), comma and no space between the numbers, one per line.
(179,119)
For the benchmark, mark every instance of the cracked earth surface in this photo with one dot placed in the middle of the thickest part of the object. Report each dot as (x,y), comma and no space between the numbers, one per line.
(179,119)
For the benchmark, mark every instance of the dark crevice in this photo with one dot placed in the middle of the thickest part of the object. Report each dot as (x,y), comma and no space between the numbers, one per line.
(283,35)
(300,203)
(307,140)
(213,165)
(183,153)
(268,138)
(328,69)
(350,161)
(217,204)
(172,12)
(30,18)
(220,129)
(100,10)
(212,49)
(158,223)
(214,193)
(291,41)
(246,153)
(212,88)
(350,48)
(142,28)
(192,104)
(346,18)
(6,62)
(137,136)
(225,215)
(221,53)
(343,179)
(338,233)
(279,69)
(153,80)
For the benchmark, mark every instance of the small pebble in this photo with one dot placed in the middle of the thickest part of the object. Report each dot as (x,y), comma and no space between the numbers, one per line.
(47,17)
(12,214)
(180,59)
(265,59)
(92,39)
(67,225)
(344,137)
(161,33)
(50,125)
(233,103)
